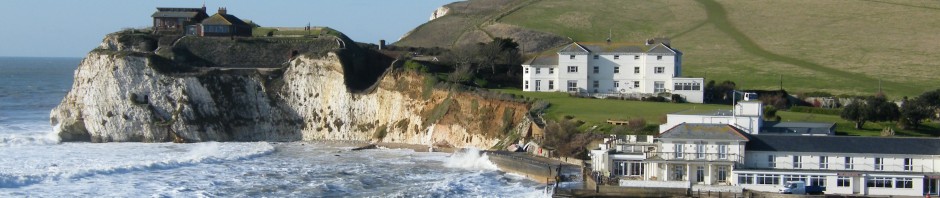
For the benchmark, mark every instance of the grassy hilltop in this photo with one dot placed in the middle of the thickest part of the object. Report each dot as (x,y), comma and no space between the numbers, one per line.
(841,47)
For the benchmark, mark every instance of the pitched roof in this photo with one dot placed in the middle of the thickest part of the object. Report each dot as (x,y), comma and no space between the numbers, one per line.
(662,48)
(844,144)
(573,48)
(604,47)
(223,19)
(543,59)
(177,12)
(704,131)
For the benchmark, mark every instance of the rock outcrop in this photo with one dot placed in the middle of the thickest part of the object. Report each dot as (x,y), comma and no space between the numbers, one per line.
(121,94)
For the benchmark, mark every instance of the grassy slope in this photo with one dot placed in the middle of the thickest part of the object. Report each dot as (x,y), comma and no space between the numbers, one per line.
(833,46)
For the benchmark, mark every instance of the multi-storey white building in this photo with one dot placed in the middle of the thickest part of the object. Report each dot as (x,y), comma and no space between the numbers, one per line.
(730,151)
(612,68)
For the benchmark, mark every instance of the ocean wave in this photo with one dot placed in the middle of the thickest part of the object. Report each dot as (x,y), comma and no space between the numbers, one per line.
(201,153)
(471,159)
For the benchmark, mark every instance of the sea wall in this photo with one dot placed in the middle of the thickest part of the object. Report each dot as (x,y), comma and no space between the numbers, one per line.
(123,93)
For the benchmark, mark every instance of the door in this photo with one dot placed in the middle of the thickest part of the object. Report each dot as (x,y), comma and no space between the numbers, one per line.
(857,185)
(932,186)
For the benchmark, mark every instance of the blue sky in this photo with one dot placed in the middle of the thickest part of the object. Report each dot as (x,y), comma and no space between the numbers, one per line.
(66,28)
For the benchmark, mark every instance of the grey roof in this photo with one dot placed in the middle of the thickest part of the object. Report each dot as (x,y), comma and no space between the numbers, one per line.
(175,14)
(844,144)
(544,59)
(801,128)
(702,131)
(662,48)
(613,48)
(573,48)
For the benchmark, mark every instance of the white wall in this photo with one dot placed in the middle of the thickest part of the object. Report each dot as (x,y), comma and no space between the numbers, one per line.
(860,162)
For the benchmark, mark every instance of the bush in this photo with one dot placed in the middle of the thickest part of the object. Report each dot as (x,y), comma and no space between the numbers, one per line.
(416,66)
(803,109)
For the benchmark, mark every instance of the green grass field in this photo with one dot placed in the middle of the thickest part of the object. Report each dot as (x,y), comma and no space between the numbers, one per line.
(841,47)
(597,111)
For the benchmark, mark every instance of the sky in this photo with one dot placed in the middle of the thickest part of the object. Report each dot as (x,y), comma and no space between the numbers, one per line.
(66,28)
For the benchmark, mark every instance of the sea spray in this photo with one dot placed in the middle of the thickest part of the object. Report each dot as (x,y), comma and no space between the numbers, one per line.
(470,158)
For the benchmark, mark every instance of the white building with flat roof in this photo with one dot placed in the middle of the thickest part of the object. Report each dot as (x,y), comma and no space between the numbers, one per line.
(626,69)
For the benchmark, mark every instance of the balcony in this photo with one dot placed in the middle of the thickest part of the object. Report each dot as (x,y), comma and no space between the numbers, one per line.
(710,157)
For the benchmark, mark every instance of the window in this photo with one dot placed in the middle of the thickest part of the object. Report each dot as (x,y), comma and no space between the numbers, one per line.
(677,172)
(722,151)
(700,150)
(722,174)
(572,85)
(572,69)
(551,70)
(659,70)
(843,181)
(616,70)
(823,162)
(596,56)
(848,163)
(596,84)
(636,70)
(817,180)
(551,85)
(538,70)
(771,161)
(790,178)
(659,87)
(696,86)
(597,69)
(659,57)
(679,151)
(526,84)
(616,57)
(636,84)
(616,84)
(879,182)
(636,168)
(879,165)
(571,57)
(745,178)
(903,183)
(700,174)
(797,161)
(908,164)
(526,70)
(538,84)
(768,179)
(637,57)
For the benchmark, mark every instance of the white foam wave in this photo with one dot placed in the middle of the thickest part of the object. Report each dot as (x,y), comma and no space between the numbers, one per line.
(91,164)
(28,135)
(471,159)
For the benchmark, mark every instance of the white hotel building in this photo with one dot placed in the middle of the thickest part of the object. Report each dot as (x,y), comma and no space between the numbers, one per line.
(608,68)
(712,153)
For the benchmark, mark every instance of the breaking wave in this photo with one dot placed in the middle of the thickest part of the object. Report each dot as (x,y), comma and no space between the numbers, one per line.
(471,159)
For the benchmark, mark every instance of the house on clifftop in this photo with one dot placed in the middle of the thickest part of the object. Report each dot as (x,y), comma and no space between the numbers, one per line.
(195,21)
(169,21)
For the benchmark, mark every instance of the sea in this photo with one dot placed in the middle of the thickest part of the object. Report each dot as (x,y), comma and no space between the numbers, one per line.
(34,163)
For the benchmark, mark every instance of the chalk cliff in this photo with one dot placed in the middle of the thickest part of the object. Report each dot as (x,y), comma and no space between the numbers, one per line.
(123,93)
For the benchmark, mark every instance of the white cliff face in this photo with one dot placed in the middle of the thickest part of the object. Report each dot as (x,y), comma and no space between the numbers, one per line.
(439,12)
(120,97)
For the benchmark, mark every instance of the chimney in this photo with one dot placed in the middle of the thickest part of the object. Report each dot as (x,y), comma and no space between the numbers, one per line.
(223,11)
(382,44)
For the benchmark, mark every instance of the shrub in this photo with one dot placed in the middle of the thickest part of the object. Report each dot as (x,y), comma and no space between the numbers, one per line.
(380,132)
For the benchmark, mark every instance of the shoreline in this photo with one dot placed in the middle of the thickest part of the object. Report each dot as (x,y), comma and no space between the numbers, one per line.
(362,145)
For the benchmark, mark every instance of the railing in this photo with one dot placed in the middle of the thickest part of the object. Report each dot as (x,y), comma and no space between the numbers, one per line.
(842,166)
(696,156)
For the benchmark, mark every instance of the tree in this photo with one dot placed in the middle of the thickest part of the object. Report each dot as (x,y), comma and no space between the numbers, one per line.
(874,109)
(915,111)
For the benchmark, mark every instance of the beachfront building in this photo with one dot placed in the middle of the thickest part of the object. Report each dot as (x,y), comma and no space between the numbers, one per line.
(730,150)
(843,164)
(174,20)
(613,69)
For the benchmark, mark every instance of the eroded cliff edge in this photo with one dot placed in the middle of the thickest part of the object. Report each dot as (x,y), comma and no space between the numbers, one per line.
(126,92)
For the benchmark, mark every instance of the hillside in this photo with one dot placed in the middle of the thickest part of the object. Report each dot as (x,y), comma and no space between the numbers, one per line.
(836,47)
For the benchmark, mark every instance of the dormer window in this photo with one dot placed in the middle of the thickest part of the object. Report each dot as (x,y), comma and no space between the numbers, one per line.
(571,57)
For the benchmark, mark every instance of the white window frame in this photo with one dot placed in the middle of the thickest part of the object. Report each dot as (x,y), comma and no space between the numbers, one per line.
(571,57)
(636,84)
(879,163)
(538,70)
(823,162)
(597,69)
(572,69)
(572,85)
(636,70)
(771,161)
(722,151)
(538,84)
(616,70)
(908,164)
(551,85)
(700,150)
(679,153)
(616,84)
(797,161)
(551,70)
(843,181)
(659,70)
(849,165)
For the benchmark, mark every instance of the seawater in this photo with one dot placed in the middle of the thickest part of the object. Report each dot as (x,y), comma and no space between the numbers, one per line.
(33,163)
